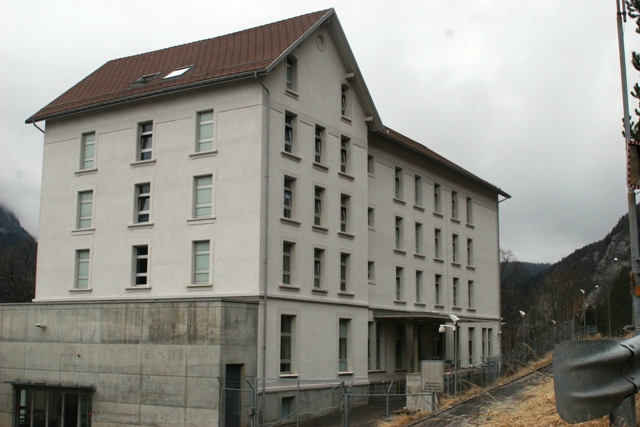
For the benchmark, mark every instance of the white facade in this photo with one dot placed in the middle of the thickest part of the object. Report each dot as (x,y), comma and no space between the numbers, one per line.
(358,301)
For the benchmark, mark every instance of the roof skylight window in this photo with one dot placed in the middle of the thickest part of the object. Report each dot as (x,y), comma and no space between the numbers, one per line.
(143,80)
(177,72)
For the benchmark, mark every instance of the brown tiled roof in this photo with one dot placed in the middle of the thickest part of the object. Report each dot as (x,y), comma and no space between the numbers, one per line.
(398,138)
(231,56)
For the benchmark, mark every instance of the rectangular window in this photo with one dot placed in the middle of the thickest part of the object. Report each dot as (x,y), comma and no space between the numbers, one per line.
(400,339)
(469,252)
(470,295)
(343,345)
(319,142)
(489,338)
(455,291)
(85,209)
(454,204)
(438,283)
(88,150)
(287,262)
(145,147)
(398,183)
(469,210)
(288,197)
(344,100)
(371,272)
(484,341)
(204,196)
(82,269)
(201,257)
(472,332)
(454,248)
(344,154)
(143,198)
(370,164)
(436,197)
(418,286)
(398,283)
(370,217)
(318,258)
(317,207)
(436,243)
(288,132)
(378,345)
(205,131)
(141,256)
(398,232)
(417,190)
(344,212)
(290,82)
(344,272)
(418,237)
(286,342)
(287,406)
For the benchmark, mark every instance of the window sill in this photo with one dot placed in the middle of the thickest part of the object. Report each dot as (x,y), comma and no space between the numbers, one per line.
(418,208)
(438,306)
(83,231)
(140,225)
(398,201)
(345,119)
(456,308)
(80,290)
(376,371)
(399,302)
(291,93)
(455,264)
(196,286)
(455,220)
(438,214)
(371,175)
(201,154)
(289,288)
(290,221)
(288,375)
(346,176)
(438,261)
(372,283)
(471,268)
(319,291)
(419,256)
(471,309)
(400,370)
(290,156)
(372,228)
(419,304)
(86,171)
(141,288)
(345,294)
(320,229)
(399,252)
(142,163)
(204,220)
(344,235)
(345,373)
(471,226)
(320,167)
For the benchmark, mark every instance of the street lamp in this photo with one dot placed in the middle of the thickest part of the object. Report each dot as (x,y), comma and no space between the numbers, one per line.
(524,342)
(455,319)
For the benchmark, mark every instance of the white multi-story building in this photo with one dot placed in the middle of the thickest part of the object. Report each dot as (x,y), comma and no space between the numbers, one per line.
(253,169)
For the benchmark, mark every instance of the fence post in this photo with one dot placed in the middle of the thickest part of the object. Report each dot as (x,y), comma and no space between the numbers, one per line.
(387,391)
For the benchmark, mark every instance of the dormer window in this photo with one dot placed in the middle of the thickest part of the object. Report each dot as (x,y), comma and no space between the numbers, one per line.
(177,72)
(144,80)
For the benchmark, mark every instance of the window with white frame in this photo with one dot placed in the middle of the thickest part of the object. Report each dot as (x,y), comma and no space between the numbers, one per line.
(143,202)
(319,143)
(455,291)
(141,259)
(85,209)
(398,183)
(344,212)
(288,196)
(399,271)
(287,262)
(470,294)
(454,204)
(317,206)
(343,344)
(417,190)
(438,286)
(418,286)
(469,210)
(145,145)
(454,248)
(469,252)
(201,257)
(345,101)
(205,131)
(289,123)
(344,272)
(287,323)
(418,237)
(82,269)
(318,261)
(344,154)
(88,150)
(203,196)
(290,74)
(398,233)
(436,243)
(437,196)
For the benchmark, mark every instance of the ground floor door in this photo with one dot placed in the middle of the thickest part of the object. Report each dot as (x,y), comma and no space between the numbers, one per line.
(233,395)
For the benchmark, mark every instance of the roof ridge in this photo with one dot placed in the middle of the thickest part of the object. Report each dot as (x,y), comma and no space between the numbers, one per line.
(324,12)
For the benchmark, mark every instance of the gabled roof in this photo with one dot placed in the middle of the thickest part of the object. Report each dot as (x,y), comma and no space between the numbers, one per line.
(405,142)
(233,56)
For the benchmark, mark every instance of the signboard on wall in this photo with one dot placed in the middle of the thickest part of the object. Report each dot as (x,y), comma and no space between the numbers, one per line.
(432,372)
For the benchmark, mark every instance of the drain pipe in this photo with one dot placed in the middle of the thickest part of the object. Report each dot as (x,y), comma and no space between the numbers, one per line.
(265,250)
(36,126)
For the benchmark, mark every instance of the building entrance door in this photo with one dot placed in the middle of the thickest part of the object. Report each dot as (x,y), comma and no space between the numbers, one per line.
(233,396)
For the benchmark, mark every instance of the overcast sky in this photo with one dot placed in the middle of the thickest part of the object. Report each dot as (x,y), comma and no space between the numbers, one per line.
(525,95)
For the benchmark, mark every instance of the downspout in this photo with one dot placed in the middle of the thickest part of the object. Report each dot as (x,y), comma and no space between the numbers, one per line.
(36,126)
(265,249)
